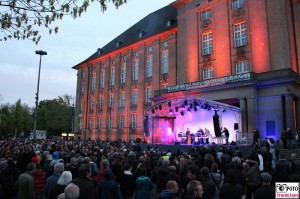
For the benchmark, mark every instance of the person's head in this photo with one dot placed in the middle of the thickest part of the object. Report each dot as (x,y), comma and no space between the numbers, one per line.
(105,163)
(172,186)
(127,167)
(195,189)
(193,172)
(214,167)
(31,167)
(65,178)
(266,178)
(59,167)
(72,191)
(84,170)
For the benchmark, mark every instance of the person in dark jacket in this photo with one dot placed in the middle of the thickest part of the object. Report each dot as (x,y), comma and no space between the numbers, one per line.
(231,190)
(266,191)
(9,177)
(282,169)
(52,180)
(63,181)
(171,191)
(127,182)
(108,188)
(85,182)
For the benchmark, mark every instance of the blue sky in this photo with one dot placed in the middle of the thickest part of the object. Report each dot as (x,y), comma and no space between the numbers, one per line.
(75,41)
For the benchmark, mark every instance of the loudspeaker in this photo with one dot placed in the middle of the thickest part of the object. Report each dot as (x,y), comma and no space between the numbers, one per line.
(177,143)
(217,125)
(236,126)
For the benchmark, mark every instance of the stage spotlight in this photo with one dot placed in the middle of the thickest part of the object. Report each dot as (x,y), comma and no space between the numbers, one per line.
(185,102)
(183,107)
(176,108)
(182,113)
(196,103)
(189,110)
(202,107)
(191,106)
(153,111)
(160,107)
(195,108)
(170,112)
(169,104)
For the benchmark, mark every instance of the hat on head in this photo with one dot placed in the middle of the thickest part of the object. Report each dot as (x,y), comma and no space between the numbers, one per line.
(108,172)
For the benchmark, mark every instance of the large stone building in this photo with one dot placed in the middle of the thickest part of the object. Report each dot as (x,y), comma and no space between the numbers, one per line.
(232,53)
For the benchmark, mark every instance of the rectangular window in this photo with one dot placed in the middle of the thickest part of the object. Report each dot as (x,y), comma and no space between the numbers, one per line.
(237,4)
(123,73)
(135,70)
(81,105)
(91,123)
(109,122)
(240,34)
(82,88)
(94,82)
(122,100)
(207,43)
(101,102)
(205,15)
(102,79)
(133,121)
(165,62)
(82,75)
(148,94)
(208,73)
(92,104)
(111,99)
(134,96)
(121,122)
(149,66)
(242,67)
(100,123)
(80,124)
(112,76)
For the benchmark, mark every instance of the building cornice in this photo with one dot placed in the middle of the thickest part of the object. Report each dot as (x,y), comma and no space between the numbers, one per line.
(180,3)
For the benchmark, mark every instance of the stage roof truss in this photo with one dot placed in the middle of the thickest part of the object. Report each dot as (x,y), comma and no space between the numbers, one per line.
(182,105)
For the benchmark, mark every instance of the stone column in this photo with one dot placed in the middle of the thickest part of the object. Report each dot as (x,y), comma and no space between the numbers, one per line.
(243,106)
(252,109)
(289,111)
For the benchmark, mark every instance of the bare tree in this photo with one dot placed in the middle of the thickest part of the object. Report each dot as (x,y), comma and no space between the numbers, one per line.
(21,19)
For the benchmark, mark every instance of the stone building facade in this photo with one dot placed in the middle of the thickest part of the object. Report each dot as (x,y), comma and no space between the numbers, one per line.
(244,53)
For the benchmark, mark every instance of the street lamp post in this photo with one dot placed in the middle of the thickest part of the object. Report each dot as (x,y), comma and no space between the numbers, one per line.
(41,53)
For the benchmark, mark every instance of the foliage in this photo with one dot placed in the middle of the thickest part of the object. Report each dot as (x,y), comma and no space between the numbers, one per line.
(21,19)
(55,116)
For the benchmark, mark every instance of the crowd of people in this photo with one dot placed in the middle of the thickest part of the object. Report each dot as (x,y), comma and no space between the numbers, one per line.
(126,170)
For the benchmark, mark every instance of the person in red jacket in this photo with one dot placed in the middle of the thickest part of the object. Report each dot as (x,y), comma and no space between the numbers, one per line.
(39,179)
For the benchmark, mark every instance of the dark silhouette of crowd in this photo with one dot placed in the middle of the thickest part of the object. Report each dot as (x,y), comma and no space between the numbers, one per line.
(130,170)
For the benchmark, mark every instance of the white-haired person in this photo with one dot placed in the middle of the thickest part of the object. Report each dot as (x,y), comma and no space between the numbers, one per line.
(71,191)
(63,181)
(53,179)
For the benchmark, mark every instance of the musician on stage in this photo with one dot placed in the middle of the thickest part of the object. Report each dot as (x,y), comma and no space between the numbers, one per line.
(188,137)
(226,132)
(207,134)
(201,134)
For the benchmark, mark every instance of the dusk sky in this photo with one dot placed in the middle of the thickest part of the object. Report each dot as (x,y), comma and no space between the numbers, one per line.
(75,41)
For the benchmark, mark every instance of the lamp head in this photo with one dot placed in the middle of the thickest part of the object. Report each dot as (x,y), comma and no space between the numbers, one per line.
(40,52)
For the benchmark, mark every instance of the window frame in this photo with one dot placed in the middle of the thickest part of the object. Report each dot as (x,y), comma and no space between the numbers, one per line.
(236,4)
(149,66)
(135,69)
(207,43)
(242,67)
(165,62)
(148,94)
(240,34)
(206,14)
(123,73)
(208,73)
